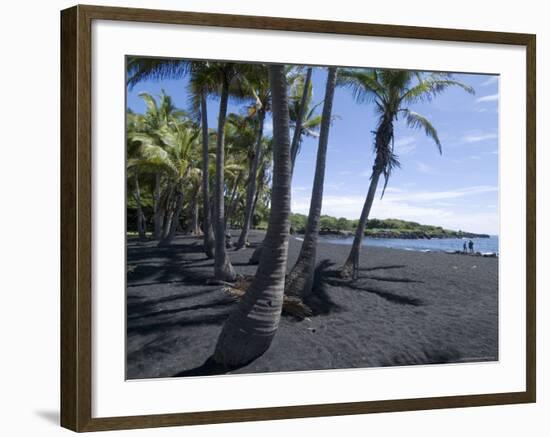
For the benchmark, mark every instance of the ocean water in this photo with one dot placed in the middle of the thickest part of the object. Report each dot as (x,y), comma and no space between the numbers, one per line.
(483,245)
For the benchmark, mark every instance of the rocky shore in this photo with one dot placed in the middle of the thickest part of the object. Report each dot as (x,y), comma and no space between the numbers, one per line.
(409,235)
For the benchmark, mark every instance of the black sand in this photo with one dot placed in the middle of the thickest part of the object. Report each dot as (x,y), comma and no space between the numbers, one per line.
(406,308)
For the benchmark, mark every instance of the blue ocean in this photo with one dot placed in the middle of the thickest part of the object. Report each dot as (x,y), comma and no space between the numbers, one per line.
(483,245)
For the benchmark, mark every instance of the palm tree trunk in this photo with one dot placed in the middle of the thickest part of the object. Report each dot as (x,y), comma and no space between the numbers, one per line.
(232,199)
(174,221)
(299,120)
(383,138)
(195,230)
(255,258)
(350,267)
(167,212)
(256,196)
(207,223)
(300,279)
(251,189)
(157,212)
(223,270)
(139,210)
(249,330)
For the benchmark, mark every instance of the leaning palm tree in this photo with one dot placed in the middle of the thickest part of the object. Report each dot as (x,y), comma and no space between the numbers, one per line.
(299,112)
(303,115)
(392,91)
(258,85)
(303,119)
(223,270)
(249,330)
(203,82)
(241,132)
(300,280)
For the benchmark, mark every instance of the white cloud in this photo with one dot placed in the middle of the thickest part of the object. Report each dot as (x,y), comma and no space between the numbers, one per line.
(424,168)
(478,137)
(334,186)
(344,172)
(428,207)
(429,196)
(405,145)
(268,127)
(490,81)
(489,98)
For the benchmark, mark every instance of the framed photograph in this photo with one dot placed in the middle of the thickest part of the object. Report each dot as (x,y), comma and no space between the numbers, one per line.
(268,218)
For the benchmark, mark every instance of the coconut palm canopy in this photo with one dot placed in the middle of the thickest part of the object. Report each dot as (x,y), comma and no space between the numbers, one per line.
(466,126)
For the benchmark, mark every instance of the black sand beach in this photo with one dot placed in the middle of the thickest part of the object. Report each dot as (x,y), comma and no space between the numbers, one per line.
(406,308)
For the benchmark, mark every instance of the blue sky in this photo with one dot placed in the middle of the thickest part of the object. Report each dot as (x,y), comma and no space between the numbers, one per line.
(456,190)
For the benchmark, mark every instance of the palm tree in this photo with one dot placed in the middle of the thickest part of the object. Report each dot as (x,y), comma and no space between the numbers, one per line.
(159,115)
(134,123)
(263,179)
(207,224)
(299,111)
(140,217)
(202,83)
(223,270)
(258,85)
(300,280)
(249,330)
(139,69)
(392,91)
(171,151)
(181,143)
(241,132)
(303,119)
(148,128)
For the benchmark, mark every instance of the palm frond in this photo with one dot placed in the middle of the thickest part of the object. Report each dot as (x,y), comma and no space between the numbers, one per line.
(392,162)
(363,84)
(139,69)
(430,87)
(417,121)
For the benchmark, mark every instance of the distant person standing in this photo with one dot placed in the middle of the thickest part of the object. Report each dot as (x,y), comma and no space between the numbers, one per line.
(464,248)
(471,246)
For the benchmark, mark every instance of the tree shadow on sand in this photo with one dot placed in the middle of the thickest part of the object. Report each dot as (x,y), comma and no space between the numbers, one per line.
(370,269)
(168,273)
(424,355)
(319,300)
(208,368)
(334,278)
(136,253)
(142,304)
(177,322)
(391,279)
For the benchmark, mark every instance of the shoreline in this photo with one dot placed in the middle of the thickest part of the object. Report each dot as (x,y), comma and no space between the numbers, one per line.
(404,236)
(322,240)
